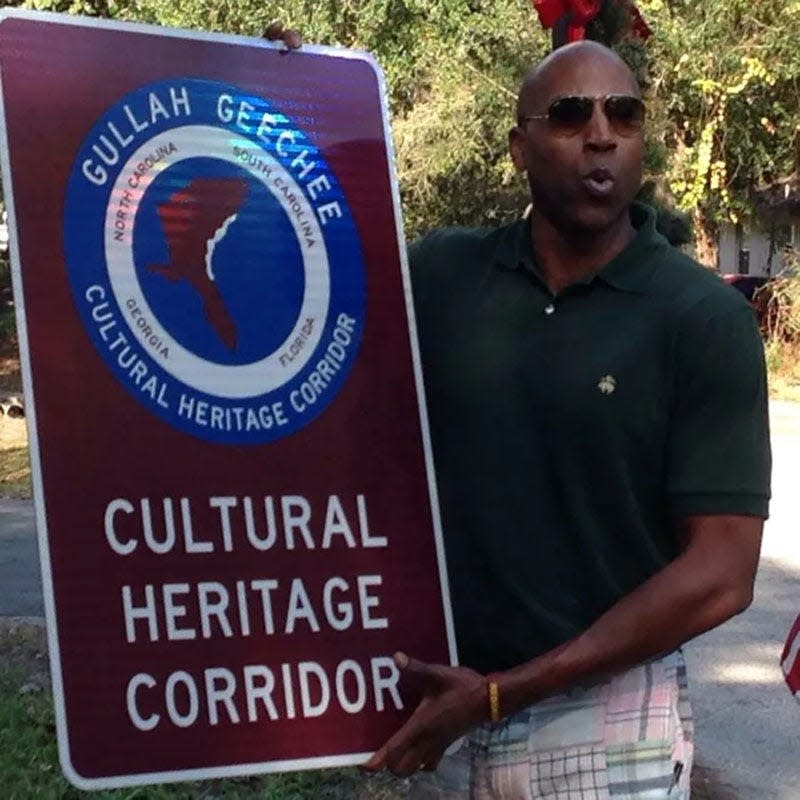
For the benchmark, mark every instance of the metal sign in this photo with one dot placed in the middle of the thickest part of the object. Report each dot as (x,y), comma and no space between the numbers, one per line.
(232,474)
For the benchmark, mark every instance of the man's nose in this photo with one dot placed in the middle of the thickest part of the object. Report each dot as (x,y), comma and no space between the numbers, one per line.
(598,134)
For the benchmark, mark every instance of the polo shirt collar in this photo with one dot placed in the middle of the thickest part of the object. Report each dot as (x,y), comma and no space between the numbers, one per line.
(629,271)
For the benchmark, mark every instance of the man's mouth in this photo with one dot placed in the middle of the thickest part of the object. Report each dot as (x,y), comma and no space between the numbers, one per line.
(599,182)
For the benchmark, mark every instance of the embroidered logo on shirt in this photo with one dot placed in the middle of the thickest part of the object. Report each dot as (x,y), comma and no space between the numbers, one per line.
(607,384)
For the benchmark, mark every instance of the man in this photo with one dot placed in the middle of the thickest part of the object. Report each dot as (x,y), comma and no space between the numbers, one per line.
(598,413)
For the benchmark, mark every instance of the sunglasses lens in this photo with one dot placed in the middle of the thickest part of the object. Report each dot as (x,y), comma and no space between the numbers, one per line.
(570,113)
(625,113)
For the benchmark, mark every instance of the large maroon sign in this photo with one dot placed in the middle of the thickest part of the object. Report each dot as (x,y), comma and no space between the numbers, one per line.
(232,475)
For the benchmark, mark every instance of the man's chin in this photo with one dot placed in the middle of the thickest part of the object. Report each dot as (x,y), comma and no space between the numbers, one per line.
(597,219)
(582,217)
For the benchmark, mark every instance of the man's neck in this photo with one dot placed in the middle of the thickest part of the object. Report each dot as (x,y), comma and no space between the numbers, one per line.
(567,258)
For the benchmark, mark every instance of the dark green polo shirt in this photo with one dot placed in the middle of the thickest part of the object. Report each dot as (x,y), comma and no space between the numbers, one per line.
(570,431)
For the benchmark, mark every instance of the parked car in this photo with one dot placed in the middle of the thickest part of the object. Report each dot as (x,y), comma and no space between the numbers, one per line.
(746,284)
(749,286)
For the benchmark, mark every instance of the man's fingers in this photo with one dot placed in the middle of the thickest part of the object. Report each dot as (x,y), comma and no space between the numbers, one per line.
(399,750)
(432,764)
(428,674)
(415,759)
(395,755)
(407,764)
(276,31)
(377,762)
(414,746)
(400,660)
(292,39)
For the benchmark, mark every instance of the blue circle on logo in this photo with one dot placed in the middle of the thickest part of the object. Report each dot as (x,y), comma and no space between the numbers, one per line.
(214,261)
(272,251)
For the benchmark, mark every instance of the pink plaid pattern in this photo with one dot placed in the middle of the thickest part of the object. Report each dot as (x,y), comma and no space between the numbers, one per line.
(627,739)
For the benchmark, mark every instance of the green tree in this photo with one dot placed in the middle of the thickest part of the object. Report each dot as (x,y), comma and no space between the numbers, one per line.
(726,95)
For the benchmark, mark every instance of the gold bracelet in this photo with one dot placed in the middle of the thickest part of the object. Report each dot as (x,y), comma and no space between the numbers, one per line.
(494,700)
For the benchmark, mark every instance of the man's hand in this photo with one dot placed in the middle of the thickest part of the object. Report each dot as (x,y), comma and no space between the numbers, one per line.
(276,32)
(454,700)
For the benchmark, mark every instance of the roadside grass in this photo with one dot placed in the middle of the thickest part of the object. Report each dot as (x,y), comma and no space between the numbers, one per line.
(8,328)
(15,472)
(779,304)
(10,375)
(783,365)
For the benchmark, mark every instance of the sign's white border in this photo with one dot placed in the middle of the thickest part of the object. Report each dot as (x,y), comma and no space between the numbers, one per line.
(139,779)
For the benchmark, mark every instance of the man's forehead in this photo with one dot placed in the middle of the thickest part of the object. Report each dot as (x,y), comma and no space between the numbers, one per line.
(585,69)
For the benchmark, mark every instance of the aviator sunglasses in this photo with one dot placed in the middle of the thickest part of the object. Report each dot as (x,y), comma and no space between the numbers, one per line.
(568,115)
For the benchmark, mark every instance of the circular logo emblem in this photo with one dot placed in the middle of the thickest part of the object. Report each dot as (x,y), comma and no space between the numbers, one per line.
(214,261)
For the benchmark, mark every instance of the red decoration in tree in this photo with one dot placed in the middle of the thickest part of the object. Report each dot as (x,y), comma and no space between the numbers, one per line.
(581,13)
(550,11)
(639,27)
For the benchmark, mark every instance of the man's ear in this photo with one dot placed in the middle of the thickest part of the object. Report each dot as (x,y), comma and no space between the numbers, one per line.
(516,146)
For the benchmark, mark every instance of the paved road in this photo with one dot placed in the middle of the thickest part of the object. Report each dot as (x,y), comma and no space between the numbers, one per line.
(748,725)
(20,580)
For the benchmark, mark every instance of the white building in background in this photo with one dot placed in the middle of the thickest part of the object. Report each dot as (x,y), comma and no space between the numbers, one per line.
(747,250)
(759,247)
(3,231)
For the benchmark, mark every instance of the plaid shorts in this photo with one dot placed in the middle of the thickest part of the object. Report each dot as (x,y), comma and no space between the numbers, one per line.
(628,739)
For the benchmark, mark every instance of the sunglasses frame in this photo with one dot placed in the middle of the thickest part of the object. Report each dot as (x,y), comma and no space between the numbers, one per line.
(620,125)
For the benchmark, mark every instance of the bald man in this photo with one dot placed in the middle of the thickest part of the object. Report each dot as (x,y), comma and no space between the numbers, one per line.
(598,412)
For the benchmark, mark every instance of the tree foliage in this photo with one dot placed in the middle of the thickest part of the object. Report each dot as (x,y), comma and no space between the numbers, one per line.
(453,68)
(726,88)
(722,80)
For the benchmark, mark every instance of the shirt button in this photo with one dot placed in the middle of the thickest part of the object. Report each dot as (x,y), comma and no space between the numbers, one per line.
(549,309)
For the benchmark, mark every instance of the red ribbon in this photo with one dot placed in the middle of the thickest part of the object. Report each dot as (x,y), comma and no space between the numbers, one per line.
(581,13)
(550,11)
(638,26)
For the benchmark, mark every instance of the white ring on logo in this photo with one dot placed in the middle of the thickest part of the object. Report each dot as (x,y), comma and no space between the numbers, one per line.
(222,380)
